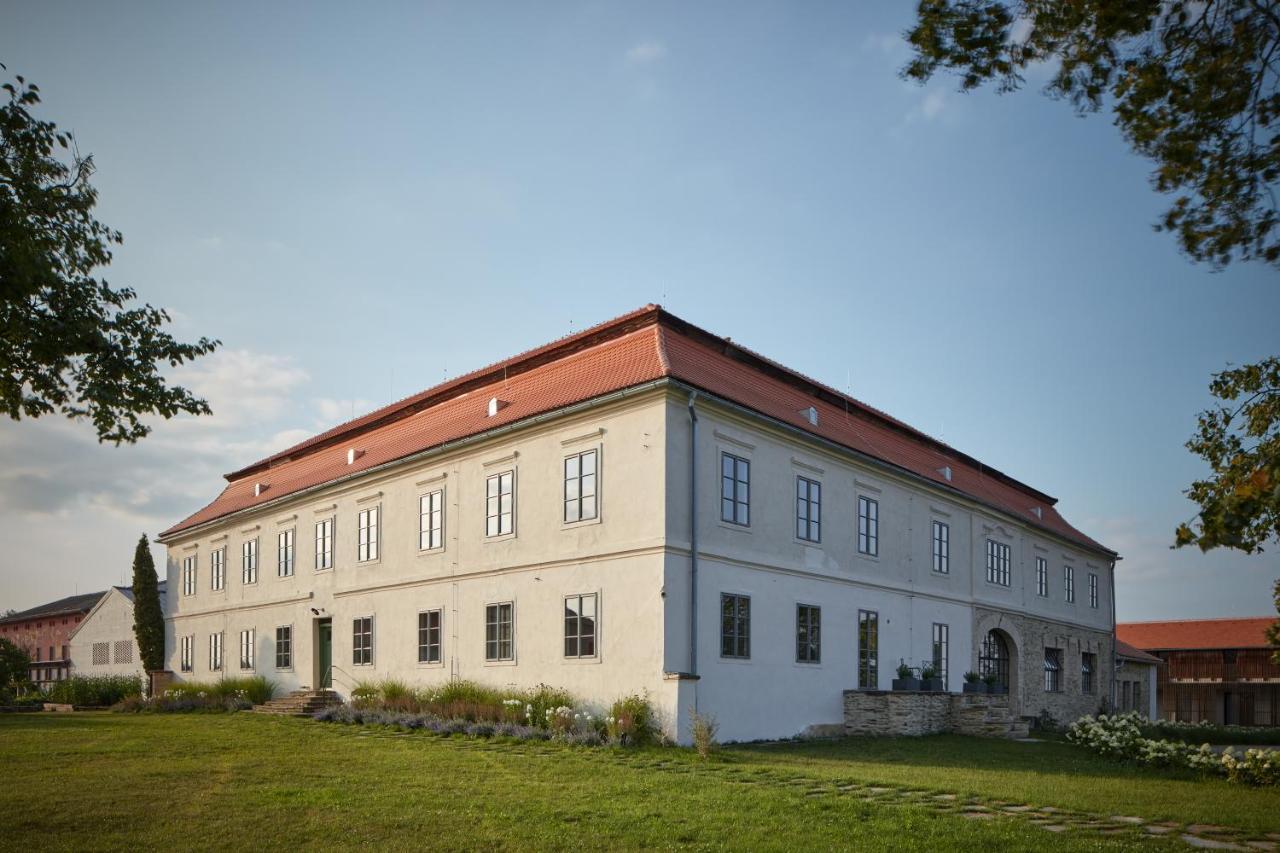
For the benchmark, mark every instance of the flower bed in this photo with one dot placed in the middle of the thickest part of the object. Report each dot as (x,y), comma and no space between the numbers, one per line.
(229,694)
(94,691)
(474,710)
(1120,737)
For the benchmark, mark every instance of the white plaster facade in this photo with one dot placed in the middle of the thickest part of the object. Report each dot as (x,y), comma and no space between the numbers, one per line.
(636,557)
(104,642)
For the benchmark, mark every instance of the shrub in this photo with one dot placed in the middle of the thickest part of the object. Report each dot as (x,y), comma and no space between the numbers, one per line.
(631,721)
(97,690)
(182,701)
(972,677)
(1121,737)
(365,694)
(704,728)
(904,670)
(253,690)
(1208,732)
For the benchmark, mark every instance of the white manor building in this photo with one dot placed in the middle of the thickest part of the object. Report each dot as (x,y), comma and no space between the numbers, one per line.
(575,514)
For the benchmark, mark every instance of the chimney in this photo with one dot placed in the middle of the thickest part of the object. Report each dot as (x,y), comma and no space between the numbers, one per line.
(945,471)
(259,488)
(811,415)
(495,405)
(352,455)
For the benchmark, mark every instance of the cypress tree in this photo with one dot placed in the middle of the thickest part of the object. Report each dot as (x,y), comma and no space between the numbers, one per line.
(148,619)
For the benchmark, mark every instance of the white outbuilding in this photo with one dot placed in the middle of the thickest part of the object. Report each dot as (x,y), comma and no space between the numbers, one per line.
(103,643)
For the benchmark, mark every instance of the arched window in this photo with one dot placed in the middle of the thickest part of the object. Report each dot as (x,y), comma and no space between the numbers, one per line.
(994,658)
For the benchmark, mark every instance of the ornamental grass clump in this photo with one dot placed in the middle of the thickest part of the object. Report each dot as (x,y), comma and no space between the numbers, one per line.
(100,691)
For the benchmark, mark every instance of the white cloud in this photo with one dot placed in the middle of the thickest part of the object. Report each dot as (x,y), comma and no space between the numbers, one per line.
(890,44)
(646,52)
(932,104)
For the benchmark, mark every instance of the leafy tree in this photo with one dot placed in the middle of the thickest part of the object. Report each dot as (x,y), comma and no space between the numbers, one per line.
(69,342)
(1240,502)
(15,664)
(1192,85)
(148,619)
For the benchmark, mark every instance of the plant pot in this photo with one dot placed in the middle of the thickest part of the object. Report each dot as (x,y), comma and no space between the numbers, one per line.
(932,685)
(906,683)
(975,687)
(998,689)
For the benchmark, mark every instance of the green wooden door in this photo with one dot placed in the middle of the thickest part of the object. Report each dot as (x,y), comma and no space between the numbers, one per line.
(324,654)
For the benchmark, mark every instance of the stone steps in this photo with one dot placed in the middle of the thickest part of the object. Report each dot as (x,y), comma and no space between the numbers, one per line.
(299,703)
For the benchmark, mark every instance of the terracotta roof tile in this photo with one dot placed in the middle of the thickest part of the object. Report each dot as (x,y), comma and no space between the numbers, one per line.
(1125,650)
(638,347)
(1249,633)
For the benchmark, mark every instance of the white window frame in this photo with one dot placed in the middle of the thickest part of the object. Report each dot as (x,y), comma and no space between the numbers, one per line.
(1093,590)
(288,641)
(808,649)
(1042,577)
(218,569)
(368,533)
(189,575)
(999,562)
(285,552)
(1069,584)
(941,651)
(735,492)
(868,526)
(362,655)
(186,653)
(215,651)
(575,493)
(494,515)
(739,635)
(324,543)
(941,547)
(497,623)
(249,561)
(805,489)
(577,637)
(431,521)
(248,652)
(428,646)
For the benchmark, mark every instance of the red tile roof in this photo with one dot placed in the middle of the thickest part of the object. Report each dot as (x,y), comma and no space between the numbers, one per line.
(1124,650)
(644,345)
(1196,633)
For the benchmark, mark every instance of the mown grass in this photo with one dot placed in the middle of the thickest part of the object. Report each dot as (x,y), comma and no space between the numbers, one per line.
(112,781)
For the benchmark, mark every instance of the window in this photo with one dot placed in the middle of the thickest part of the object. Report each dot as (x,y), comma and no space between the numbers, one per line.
(101,654)
(122,651)
(1053,670)
(215,652)
(941,650)
(1042,577)
(66,650)
(993,658)
(735,626)
(218,569)
(580,486)
(324,544)
(808,633)
(808,510)
(189,575)
(1069,583)
(429,637)
(1088,663)
(868,526)
(1137,698)
(499,640)
(499,504)
(249,561)
(868,649)
(362,641)
(1093,590)
(284,553)
(431,521)
(735,489)
(246,649)
(284,647)
(367,525)
(941,547)
(580,626)
(997,562)
(187,653)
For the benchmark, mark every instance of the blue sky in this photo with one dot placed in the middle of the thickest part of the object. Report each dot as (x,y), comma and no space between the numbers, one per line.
(360,203)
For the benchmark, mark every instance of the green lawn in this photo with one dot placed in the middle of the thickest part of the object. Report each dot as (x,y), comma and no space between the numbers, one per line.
(107,781)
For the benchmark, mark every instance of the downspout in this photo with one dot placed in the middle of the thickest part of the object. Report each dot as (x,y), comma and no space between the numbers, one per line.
(693,543)
(1115,659)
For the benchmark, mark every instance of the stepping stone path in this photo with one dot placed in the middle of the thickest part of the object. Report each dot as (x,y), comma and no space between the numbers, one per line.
(1202,836)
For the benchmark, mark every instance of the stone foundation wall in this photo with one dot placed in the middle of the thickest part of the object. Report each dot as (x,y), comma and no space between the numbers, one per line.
(914,713)
(1028,638)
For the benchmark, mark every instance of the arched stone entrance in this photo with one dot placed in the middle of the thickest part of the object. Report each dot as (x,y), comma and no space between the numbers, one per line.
(997,649)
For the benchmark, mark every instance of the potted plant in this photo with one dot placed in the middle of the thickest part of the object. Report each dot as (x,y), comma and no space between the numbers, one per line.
(929,679)
(973,683)
(906,679)
(992,684)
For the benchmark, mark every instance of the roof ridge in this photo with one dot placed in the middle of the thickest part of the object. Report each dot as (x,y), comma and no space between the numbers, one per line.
(1205,619)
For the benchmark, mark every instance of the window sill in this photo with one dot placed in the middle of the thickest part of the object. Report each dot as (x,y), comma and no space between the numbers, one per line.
(426,664)
(871,558)
(734,526)
(585,522)
(581,661)
(362,563)
(501,537)
(511,662)
(430,552)
(807,543)
(735,661)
